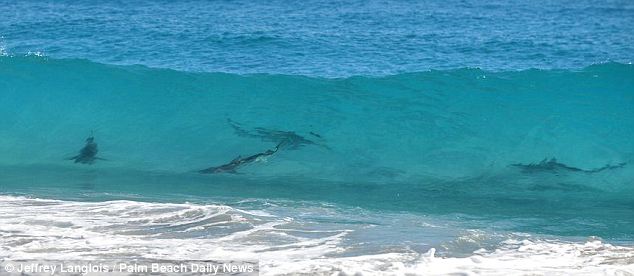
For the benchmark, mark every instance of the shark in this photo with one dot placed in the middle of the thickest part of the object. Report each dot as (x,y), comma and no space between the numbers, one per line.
(553,166)
(88,154)
(238,162)
(287,140)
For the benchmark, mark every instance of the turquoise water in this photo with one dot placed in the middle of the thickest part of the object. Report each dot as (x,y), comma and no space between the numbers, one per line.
(407,120)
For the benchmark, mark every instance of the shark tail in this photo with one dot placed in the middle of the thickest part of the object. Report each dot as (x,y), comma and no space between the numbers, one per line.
(608,167)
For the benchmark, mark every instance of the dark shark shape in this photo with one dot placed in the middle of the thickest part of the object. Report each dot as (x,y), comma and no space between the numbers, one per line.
(552,166)
(88,154)
(238,162)
(288,140)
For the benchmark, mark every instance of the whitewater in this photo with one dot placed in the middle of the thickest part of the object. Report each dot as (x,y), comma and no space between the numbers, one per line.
(59,230)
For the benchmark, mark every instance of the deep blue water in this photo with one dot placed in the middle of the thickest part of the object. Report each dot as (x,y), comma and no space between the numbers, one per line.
(325,38)
(399,123)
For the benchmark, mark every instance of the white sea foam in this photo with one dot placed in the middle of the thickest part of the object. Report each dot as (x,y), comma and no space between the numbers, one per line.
(67,230)
(3,47)
(41,229)
(514,258)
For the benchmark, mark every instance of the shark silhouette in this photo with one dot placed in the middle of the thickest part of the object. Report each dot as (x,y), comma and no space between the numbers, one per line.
(88,154)
(288,140)
(238,162)
(551,165)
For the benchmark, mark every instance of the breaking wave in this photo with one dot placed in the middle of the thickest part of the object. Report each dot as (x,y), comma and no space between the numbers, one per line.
(39,229)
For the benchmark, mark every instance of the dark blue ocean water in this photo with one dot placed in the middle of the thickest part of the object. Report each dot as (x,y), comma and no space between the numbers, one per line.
(400,125)
(324,38)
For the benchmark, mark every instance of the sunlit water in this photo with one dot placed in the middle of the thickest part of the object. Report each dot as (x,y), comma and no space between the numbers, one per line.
(394,168)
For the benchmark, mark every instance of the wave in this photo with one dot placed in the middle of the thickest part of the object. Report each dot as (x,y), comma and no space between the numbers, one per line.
(67,230)
(513,258)
(448,123)
(433,142)
(41,229)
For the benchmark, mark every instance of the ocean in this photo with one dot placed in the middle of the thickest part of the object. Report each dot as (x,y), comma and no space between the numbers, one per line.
(357,138)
